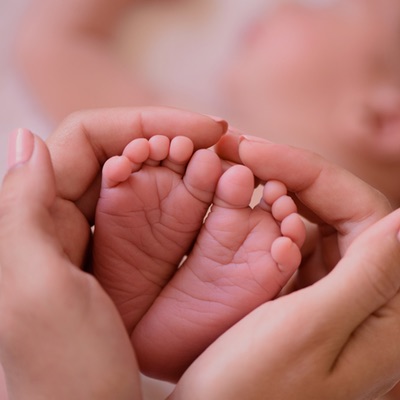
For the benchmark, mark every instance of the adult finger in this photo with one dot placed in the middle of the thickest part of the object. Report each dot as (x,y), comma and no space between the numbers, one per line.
(360,297)
(228,146)
(85,140)
(335,195)
(29,249)
(44,300)
(27,234)
(366,278)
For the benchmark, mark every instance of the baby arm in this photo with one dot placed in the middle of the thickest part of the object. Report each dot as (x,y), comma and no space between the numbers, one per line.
(65,52)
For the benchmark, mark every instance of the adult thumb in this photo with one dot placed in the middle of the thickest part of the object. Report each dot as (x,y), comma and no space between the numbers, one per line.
(27,232)
(365,304)
(366,279)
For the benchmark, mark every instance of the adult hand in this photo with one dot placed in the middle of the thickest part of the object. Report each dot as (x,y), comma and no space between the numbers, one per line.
(60,335)
(85,140)
(337,339)
(341,205)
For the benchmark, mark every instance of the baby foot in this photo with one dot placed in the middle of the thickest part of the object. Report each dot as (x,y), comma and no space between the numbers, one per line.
(242,258)
(152,205)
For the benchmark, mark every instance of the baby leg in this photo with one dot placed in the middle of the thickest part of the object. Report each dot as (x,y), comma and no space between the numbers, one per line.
(242,258)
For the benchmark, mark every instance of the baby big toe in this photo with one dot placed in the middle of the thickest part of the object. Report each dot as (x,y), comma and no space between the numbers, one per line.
(202,175)
(235,188)
(116,170)
(138,151)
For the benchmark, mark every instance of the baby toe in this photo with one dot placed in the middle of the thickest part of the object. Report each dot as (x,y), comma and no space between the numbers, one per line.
(293,227)
(202,175)
(180,151)
(235,188)
(159,149)
(283,207)
(116,170)
(286,254)
(138,151)
(273,190)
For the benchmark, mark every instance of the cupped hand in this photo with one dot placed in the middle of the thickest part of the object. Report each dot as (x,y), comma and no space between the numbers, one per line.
(85,140)
(340,205)
(60,335)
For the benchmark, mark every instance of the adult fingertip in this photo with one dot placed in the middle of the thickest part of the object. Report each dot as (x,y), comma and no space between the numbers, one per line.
(248,144)
(20,147)
(220,121)
(371,271)
(253,139)
(30,173)
(228,148)
(223,124)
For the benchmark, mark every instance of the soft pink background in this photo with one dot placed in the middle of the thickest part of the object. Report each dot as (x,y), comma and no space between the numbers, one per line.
(195,41)
(17,108)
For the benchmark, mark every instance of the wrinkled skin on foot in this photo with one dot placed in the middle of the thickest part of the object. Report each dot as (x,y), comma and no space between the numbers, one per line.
(151,209)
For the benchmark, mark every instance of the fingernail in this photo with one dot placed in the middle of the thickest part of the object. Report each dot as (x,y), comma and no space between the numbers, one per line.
(254,139)
(224,124)
(20,147)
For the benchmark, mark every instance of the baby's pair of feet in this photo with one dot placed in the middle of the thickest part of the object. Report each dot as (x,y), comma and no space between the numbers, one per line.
(152,213)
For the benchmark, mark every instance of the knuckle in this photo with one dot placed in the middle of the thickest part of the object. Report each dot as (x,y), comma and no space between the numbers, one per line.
(73,119)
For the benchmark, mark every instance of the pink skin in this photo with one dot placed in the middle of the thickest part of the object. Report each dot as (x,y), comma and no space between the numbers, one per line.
(150,213)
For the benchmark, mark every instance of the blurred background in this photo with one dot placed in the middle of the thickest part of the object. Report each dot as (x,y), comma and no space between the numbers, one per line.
(17,107)
(157,41)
